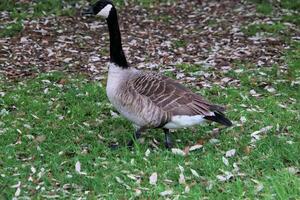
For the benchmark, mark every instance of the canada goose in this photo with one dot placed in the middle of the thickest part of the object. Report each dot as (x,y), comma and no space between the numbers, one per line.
(148,99)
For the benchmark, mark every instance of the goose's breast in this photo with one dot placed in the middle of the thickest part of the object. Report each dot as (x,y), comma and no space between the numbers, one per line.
(138,110)
(126,107)
(123,101)
(130,104)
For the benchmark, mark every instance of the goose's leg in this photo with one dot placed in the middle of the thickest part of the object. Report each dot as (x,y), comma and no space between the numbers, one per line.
(136,136)
(168,140)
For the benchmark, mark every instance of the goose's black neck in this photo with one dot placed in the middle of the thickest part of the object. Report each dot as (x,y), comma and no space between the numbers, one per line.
(117,55)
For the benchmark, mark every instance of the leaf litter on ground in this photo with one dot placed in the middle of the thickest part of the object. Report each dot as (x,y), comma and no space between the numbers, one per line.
(68,44)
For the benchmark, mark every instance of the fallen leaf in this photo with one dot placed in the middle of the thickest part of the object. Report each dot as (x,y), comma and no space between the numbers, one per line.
(46,91)
(226,176)
(18,192)
(187,189)
(41,173)
(230,153)
(147,152)
(181,168)
(262,130)
(270,89)
(17,185)
(256,134)
(114,114)
(195,147)
(209,185)
(243,119)
(200,142)
(214,141)
(23,40)
(119,180)
(153,178)
(166,193)
(221,178)
(293,170)
(131,176)
(235,168)
(195,173)
(254,93)
(225,161)
(62,81)
(67,60)
(33,170)
(168,181)
(186,150)
(78,167)
(178,151)
(40,138)
(181,179)
(137,192)
(247,150)
(259,186)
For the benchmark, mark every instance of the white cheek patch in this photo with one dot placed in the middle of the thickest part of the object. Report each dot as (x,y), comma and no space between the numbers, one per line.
(105,11)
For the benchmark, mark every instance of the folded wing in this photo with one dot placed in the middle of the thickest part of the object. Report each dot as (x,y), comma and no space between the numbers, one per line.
(173,97)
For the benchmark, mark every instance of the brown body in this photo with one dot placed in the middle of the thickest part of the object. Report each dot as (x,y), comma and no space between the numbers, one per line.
(152,100)
(147,99)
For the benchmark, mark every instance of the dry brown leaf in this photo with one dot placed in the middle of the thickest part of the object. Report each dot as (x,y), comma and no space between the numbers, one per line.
(201,141)
(40,138)
(186,150)
(247,150)
(62,81)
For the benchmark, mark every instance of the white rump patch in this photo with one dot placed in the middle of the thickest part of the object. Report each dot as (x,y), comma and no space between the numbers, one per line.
(105,11)
(181,121)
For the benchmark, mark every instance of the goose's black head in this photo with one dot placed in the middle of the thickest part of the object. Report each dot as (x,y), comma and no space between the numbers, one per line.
(101,8)
(106,9)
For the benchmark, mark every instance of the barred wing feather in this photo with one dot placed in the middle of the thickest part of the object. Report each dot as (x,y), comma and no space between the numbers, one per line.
(171,96)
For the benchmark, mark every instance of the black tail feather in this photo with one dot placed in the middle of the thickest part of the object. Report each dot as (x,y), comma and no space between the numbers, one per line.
(220,118)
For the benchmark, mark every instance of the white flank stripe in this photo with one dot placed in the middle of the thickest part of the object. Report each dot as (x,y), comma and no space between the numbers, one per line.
(181,121)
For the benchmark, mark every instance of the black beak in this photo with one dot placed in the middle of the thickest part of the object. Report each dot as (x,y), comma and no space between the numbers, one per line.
(88,11)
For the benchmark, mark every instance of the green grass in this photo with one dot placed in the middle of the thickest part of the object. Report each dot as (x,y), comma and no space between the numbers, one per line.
(266,7)
(292,18)
(293,61)
(263,6)
(212,23)
(290,4)
(165,18)
(278,28)
(143,3)
(36,9)
(188,68)
(179,43)
(51,122)
(24,10)
(273,29)
(11,29)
